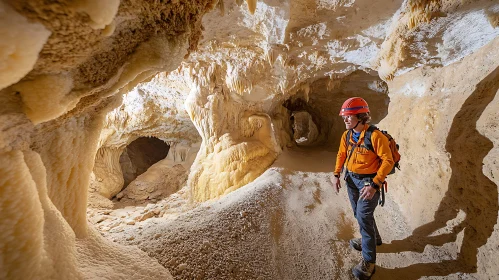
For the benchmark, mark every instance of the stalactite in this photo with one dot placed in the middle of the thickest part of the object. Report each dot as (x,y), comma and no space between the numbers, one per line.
(251,6)
(421,11)
(221,7)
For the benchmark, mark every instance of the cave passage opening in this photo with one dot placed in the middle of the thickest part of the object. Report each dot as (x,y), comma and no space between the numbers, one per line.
(314,114)
(304,129)
(141,154)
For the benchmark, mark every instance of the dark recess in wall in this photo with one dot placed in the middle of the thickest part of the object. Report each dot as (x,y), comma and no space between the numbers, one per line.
(139,155)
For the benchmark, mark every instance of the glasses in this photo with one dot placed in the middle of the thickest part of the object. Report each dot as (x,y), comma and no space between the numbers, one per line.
(348,117)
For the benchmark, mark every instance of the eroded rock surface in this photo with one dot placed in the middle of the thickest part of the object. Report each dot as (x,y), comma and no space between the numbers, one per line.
(62,66)
(79,82)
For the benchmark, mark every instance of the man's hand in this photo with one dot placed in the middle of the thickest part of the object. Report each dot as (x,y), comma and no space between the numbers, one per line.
(336,183)
(367,193)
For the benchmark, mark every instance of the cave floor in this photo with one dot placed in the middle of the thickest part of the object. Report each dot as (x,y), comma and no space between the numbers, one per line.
(287,224)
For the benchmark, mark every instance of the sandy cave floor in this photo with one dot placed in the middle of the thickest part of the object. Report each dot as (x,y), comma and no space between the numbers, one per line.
(287,224)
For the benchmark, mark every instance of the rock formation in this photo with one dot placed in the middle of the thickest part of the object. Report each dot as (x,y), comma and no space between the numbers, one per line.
(236,89)
(63,64)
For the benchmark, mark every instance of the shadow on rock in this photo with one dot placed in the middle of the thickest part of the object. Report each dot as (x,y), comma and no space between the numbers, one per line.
(469,190)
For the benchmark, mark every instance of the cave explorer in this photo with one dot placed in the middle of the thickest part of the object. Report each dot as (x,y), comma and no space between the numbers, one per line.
(365,172)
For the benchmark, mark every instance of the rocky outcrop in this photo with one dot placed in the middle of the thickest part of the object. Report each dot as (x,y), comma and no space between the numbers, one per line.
(107,177)
(160,180)
(153,109)
(66,63)
(444,125)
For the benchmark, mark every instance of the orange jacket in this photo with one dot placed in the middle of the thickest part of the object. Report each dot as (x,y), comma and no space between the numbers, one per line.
(364,161)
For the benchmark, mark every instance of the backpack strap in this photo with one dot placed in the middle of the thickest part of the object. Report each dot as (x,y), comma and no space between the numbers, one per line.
(367,137)
(349,135)
(384,188)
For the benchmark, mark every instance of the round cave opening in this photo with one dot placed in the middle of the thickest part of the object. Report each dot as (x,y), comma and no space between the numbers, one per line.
(314,113)
(141,154)
(304,129)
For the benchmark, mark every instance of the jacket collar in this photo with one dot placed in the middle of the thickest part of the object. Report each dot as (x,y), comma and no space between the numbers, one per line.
(362,133)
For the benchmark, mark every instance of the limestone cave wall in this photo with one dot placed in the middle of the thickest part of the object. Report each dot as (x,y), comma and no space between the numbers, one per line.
(63,66)
(219,82)
(444,122)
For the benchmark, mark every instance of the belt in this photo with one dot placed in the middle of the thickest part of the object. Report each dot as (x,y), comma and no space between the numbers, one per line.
(360,176)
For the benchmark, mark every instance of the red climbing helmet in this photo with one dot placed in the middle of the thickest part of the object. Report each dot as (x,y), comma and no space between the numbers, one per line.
(354,106)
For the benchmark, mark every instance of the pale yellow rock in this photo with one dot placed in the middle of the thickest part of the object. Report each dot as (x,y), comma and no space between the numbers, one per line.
(101,13)
(46,97)
(20,45)
(108,173)
(251,5)
(72,101)
(228,161)
(65,84)
(27,251)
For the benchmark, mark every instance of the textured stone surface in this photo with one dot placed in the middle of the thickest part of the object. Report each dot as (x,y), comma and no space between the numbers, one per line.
(141,154)
(51,121)
(78,84)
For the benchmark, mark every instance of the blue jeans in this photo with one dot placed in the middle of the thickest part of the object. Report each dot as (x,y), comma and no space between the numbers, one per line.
(363,210)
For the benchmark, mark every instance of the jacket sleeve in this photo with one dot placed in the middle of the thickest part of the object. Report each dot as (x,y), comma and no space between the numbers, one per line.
(382,148)
(342,154)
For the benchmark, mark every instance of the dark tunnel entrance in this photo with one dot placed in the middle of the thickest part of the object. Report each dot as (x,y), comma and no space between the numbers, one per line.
(141,154)
(304,129)
(323,104)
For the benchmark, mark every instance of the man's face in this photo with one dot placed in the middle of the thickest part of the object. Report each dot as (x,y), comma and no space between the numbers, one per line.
(350,121)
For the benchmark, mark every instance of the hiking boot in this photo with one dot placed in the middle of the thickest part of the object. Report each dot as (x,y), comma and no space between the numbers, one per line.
(356,243)
(364,270)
